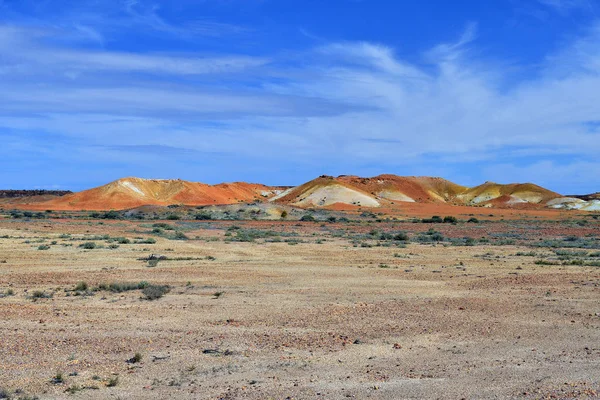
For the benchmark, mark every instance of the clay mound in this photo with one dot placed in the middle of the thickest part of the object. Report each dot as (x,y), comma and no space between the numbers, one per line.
(506,195)
(349,190)
(574,203)
(135,192)
(422,189)
(326,191)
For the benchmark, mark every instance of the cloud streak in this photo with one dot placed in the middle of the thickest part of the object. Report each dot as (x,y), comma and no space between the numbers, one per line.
(339,107)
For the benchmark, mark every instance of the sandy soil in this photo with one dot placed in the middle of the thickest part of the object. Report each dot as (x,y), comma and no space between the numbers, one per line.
(305,321)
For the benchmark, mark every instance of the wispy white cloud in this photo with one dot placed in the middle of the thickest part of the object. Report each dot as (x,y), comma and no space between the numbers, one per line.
(24,45)
(145,14)
(344,107)
(566,6)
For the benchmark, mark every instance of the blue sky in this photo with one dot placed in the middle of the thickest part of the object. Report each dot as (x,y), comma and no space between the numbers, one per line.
(281,91)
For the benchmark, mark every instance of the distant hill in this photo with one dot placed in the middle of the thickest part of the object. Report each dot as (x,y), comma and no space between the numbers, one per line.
(12,194)
(134,192)
(10,198)
(342,192)
(386,189)
(587,197)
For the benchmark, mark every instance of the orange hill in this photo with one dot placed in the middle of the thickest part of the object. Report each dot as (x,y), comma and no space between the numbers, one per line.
(327,191)
(134,192)
(342,192)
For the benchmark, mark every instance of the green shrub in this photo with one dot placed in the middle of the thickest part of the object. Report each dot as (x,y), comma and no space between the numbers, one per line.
(81,287)
(173,217)
(203,216)
(307,218)
(401,236)
(112,214)
(473,220)
(145,241)
(436,219)
(450,220)
(88,245)
(154,292)
(179,236)
(43,247)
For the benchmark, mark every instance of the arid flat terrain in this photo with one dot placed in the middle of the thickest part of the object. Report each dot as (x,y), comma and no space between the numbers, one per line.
(331,309)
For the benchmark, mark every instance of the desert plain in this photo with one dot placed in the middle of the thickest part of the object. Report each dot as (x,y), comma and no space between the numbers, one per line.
(363,306)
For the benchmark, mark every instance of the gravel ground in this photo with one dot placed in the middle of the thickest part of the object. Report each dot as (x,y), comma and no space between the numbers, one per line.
(274,320)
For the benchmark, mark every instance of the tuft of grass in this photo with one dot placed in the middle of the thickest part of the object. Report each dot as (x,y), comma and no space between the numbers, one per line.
(114,381)
(40,294)
(57,379)
(43,247)
(137,357)
(73,389)
(81,287)
(153,262)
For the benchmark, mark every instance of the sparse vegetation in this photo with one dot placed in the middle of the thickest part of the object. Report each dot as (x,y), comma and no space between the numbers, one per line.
(119,287)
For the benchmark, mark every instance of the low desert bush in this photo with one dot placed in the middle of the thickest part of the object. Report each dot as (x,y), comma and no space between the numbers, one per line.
(154,292)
